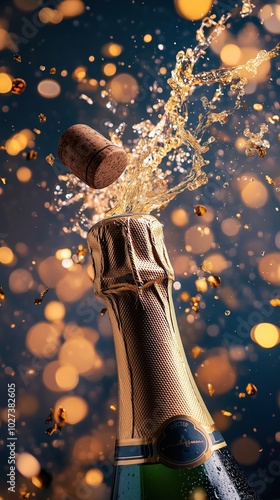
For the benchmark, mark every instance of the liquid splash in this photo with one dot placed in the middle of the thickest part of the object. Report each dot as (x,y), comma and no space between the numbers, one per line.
(145,184)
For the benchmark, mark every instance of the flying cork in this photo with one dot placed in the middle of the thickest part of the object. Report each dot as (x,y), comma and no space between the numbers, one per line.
(90,156)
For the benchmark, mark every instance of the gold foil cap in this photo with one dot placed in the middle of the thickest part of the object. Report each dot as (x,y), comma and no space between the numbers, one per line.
(134,255)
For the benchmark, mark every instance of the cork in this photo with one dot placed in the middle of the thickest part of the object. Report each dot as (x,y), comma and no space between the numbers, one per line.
(90,156)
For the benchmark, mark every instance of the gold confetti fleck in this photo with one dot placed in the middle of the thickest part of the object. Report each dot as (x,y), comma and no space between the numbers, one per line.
(37,131)
(242,395)
(2,148)
(103,311)
(32,155)
(196,351)
(206,266)
(50,417)
(200,210)
(42,68)
(226,413)
(17,58)
(251,389)
(275,302)
(246,226)
(52,71)
(51,430)
(39,301)
(261,151)
(2,294)
(42,118)
(3,180)
(24,494)
(113,407)
(61,421)
(214,281)
(18,86)
(258,107)
(210,389)
(195,301)
(50,159)
(61,416)
(269,180)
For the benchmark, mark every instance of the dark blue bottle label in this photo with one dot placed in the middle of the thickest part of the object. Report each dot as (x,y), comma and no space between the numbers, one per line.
(181,442)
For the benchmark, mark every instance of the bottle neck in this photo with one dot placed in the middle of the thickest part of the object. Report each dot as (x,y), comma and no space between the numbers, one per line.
(134,276)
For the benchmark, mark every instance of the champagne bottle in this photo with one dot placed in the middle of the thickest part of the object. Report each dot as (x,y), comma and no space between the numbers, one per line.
(167,447)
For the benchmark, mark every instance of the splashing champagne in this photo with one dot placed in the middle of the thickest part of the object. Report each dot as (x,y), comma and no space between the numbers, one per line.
(167,447)
(145,185)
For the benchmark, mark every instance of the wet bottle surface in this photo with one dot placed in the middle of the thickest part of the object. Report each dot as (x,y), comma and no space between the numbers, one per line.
(167,447)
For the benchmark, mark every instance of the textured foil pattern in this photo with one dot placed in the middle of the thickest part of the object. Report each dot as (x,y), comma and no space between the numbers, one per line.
(134,276)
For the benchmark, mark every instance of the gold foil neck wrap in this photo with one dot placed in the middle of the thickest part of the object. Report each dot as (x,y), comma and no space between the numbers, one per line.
(134,276)
(128,251)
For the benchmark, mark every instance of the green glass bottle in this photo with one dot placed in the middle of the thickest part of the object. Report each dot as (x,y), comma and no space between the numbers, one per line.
(167,447)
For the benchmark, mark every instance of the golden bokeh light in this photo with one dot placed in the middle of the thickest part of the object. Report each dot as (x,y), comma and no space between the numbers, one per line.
(5,83)
(199,493)
(67,377)
(75,406)
(27,5)
(254,194)
(24,174)
(87,449)
(80,353)
(269,268)
(79,73)
(109,69)
(20,280)
(246,450)
(49,376)
(47,15)
(43,339)
(94,477)
(199,239)
(6,256)
(112,50)
(63,253)
(147,38)
(240,144)
(74,285)
(193,10)
(230,54)
(71,8)
(51,271)
(123,87)
(265,335)
(271,16)
(49,88)
(217,370)
(221,422)
(182,265)
(179,217)
(230,226)
(27,465)
(54,311)
(27,404)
